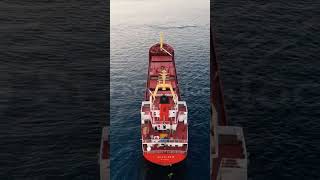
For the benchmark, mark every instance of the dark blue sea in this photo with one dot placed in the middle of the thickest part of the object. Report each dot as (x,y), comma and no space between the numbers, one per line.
(135,27)
(53,88)
(268,53)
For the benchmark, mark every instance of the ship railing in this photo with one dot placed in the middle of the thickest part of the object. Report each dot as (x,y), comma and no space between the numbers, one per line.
(165,152)
(165,141)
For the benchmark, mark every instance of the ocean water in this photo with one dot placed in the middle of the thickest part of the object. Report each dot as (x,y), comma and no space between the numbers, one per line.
(268,53)
(53,88)
(135,27)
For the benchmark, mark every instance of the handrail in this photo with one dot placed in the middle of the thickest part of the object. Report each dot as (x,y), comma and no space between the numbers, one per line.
(165,152)
(165,140)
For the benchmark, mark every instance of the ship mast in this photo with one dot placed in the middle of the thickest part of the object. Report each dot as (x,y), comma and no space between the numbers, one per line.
(161,44)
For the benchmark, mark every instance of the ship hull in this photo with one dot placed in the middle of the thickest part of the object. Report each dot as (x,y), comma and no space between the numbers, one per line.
(165,159)
(176,152)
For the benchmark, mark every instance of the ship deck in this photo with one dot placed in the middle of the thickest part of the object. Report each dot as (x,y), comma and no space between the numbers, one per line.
(180,133)
(230,147)
(166,149)
(229,157)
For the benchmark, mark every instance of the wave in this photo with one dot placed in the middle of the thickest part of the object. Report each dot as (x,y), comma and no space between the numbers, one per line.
(173,26)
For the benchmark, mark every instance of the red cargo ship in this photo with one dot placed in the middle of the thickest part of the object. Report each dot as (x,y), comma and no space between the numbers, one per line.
(228,147)
(164,125)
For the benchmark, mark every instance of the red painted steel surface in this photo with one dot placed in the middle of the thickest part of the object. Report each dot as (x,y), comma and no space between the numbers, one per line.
(154,54)
(217,97)
(168,155)
(164,112)
(105,150)
(165,159)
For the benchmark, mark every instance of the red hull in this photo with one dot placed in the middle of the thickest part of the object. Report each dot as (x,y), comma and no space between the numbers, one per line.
(165,159)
